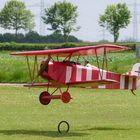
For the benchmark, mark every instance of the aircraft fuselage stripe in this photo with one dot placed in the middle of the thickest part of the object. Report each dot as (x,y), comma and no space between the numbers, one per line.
(89,74)
(78,74)
(81,74)
(68,73)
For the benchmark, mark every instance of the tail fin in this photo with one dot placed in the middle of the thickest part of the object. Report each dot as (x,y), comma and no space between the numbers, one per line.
(135,71)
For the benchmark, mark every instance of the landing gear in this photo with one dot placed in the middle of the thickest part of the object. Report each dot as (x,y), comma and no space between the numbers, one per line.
(43,98)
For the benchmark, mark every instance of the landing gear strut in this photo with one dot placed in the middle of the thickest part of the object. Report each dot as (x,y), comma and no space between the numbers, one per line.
(45,97)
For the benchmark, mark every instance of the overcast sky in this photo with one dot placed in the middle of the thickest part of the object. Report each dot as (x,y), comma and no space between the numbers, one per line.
(89,11)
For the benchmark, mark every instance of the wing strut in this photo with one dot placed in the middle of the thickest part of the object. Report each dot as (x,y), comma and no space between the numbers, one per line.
(68,57)
(29,68)
(104,63)
(98,63)
(35,69)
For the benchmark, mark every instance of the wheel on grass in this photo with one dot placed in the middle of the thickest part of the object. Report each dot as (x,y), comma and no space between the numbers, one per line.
(63,125)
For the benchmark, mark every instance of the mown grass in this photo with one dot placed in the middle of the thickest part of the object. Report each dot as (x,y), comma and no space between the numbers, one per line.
(12,69)
(92,114)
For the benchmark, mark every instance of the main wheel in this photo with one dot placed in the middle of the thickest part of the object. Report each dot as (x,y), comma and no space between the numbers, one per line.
(43,98)
(65,97)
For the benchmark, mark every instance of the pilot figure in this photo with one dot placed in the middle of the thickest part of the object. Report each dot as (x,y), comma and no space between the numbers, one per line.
(87,64)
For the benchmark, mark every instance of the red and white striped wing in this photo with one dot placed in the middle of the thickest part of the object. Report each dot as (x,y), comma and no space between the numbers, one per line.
(78,51)
(93,83)
(74,84)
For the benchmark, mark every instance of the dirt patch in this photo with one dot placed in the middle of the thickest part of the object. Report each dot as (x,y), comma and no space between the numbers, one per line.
(11,84)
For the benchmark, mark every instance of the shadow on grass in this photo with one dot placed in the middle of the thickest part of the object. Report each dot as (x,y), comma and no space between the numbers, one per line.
(41,133)
(105,129)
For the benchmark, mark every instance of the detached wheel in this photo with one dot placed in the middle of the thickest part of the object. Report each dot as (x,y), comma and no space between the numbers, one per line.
(63,127)
(43,98)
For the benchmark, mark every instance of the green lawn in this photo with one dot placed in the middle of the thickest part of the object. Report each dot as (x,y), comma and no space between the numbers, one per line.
(92,115)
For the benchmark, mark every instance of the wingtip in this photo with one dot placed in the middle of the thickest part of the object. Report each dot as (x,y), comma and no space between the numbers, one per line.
(13,53)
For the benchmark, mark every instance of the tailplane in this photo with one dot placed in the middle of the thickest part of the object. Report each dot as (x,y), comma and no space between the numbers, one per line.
(135,72)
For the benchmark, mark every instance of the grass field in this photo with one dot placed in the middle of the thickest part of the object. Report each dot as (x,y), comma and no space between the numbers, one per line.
(92,115)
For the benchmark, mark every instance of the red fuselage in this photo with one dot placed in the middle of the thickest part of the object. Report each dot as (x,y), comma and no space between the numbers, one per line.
(70,72)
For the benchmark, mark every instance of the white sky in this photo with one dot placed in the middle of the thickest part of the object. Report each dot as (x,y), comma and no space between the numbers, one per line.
(89,11)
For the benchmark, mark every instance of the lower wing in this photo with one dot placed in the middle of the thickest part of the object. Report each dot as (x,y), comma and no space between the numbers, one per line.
(93,83)
(82,84)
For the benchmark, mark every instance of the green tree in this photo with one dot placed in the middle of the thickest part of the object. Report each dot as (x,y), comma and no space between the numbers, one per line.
(33,36)
(15,16)
(115,18)
(62,18)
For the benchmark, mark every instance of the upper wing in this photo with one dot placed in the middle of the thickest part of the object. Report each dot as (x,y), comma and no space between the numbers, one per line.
(79,51)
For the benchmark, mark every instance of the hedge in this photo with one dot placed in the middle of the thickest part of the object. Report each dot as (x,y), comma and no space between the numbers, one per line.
(12,46)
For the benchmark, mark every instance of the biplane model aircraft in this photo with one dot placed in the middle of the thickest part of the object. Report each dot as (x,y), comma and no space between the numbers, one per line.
(64,72)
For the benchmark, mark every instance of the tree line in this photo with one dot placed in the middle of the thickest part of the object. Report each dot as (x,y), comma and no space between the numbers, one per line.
(34,37)
(61,18)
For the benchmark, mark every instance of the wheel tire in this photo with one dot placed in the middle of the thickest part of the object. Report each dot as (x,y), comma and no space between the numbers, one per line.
(59,125)
(65,97)
(42,98)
